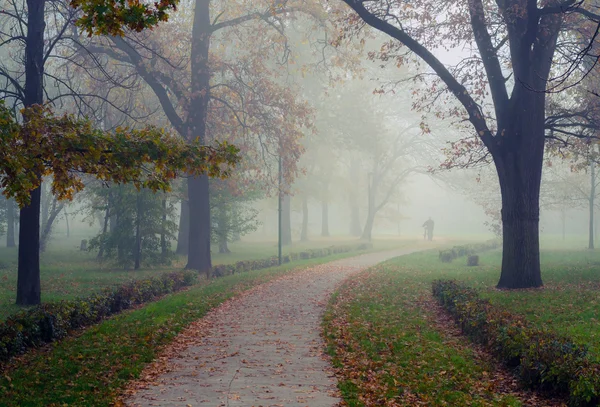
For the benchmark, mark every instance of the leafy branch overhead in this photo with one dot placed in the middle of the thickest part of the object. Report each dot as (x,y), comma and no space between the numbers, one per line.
(65,148)
(110,17)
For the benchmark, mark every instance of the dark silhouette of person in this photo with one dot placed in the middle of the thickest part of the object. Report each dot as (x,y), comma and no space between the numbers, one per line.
(428,225)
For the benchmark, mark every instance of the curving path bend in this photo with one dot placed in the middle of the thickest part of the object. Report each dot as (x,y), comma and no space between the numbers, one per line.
(262,348)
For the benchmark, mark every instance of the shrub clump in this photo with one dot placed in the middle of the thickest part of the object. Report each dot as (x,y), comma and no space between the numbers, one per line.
(447,256)
(249,265)
(52,321)
(473,260)
(542,360)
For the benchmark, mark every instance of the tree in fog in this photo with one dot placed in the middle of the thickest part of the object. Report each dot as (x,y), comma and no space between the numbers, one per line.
(143,226)
(388,143)
(232,216)
(224,72)
(510,49)
(63,146)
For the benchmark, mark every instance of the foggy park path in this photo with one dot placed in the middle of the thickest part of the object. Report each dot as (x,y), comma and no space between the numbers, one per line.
(262,348)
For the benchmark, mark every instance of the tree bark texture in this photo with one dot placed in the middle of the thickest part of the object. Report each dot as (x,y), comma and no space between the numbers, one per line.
(199,257)
(518,162)
(28,280)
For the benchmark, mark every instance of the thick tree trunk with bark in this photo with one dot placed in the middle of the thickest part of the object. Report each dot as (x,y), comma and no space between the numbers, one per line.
(286,220)
(518,162)
(198,189)
(199,257)
(183,234)
(304,231)
(324,219)
(10,223)
(28,280)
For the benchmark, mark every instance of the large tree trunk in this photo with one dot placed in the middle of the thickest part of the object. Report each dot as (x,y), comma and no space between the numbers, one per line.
(198,190)
(199,237)
(304,232)
(183,235)
(592,198)
(28,280)
(324,219)
(286,220)
(519,162)
(10,226)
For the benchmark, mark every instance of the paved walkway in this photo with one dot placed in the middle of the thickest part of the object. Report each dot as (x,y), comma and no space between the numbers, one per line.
(262,348)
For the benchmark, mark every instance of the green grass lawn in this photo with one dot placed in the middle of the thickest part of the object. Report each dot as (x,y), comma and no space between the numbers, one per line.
(67,273)
(91,369)
(382,328)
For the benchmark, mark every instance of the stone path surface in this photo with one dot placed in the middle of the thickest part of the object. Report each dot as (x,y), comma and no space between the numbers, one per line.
(262,348)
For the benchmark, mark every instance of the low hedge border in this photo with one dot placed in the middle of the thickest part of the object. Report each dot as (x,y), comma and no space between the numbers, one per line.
(52,321)
(542,360)
(49,322)
(249,265)
(448,255)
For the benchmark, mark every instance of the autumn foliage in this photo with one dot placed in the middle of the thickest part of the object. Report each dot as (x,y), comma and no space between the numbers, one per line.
(65,148)
(111,17)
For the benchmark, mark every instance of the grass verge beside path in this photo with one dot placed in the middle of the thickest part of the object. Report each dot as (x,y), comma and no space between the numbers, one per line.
(382,328)
(384,340)
(91,369)
(68,273)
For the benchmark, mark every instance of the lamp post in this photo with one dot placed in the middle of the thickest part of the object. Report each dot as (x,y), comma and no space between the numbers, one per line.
(280,214)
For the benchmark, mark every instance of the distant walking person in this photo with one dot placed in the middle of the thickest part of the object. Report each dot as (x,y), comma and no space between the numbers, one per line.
(428,225)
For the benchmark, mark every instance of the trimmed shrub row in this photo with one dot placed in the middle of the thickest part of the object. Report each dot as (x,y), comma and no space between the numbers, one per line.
(52,321)
(48,322)
(542,360)
(249,265)
(447,256)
